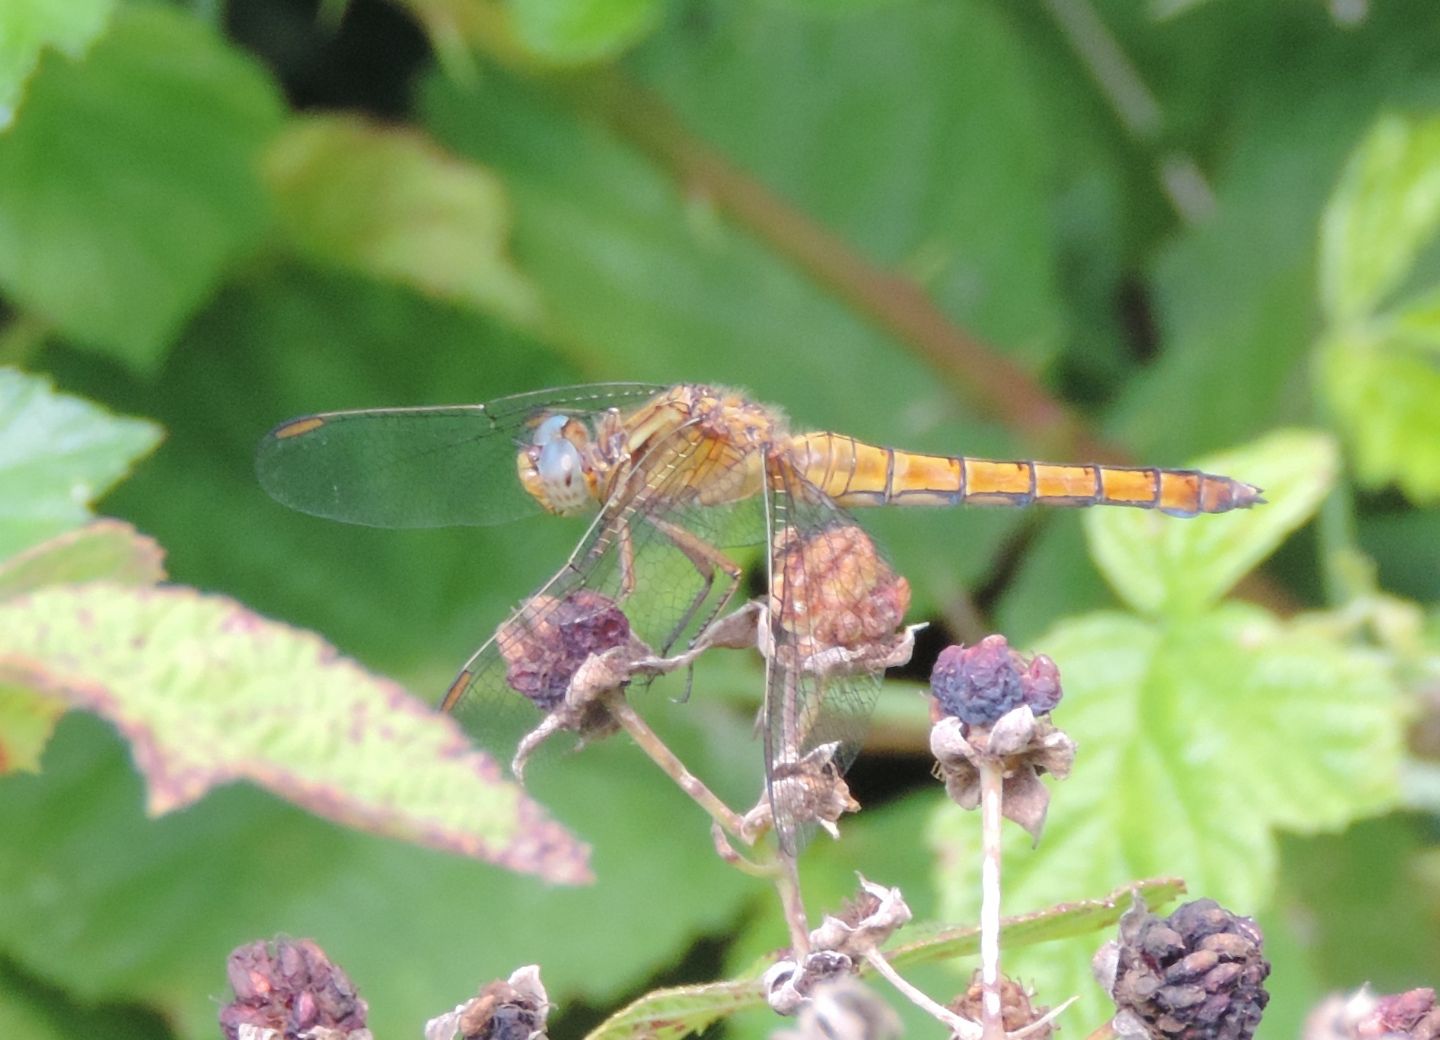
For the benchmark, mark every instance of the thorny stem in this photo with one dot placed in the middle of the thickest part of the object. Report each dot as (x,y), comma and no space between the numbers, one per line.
(992,779)
(957,1024)
(650,742)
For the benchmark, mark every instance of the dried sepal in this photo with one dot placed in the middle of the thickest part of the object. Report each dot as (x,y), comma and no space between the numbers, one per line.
(789,984)
(1022,746)
(809,790)
(843,1009)
(875,914)
(513,1009)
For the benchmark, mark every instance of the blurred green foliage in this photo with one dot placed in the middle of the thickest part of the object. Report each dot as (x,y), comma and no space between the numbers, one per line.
(949,225)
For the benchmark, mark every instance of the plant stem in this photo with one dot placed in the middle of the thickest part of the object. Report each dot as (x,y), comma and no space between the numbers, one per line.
(992,780)
(958,1024)
(659,753)
(787,882)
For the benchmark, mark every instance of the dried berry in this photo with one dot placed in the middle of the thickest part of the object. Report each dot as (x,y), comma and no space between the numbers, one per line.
(545,644)
(1196,975)
(979,684)
(1016,1009)
(290,988)
(832,588)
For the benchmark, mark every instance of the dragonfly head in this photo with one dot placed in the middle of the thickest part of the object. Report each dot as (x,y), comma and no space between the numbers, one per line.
(553,466)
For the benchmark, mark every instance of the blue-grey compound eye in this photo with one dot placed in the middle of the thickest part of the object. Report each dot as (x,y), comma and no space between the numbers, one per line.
(559,461)
(548,430)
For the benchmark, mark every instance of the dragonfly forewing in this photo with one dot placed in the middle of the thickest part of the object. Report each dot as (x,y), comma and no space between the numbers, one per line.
(444,466)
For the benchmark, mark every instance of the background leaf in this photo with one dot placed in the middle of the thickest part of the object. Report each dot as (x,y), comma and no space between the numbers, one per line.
(28,27)
(130,183)
(57,454)
(431,221)
(204,692)
(1159,566)
(1235,724)
(104,550)
(1384,210)
(572,31)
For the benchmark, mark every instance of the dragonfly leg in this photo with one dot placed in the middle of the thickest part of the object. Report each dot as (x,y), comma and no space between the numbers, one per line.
(707,559)
(627,563)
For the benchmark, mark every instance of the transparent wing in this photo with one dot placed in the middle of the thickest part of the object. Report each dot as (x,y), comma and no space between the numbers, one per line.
(647,568)
(836,609)
(420,467)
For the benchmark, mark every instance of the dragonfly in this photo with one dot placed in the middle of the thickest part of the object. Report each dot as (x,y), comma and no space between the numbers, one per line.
(676,478)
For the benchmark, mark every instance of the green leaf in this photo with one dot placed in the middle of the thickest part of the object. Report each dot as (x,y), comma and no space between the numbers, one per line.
(204,690)
(677,1012)
(28,27)
(1162,9)
(389,203)
(130,185)
(1198,741)
(1383,385)
(22,1012)
(577,31)
(1165,565)
(59,454)
(154,918)
(1384,210)
(1414,325)
(27,719)
(1062,921)
(1234,294)
(1378,371)
(105,550)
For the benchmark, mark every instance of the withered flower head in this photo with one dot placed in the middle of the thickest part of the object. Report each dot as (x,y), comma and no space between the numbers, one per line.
(788,985)
(974,683)
(1016,1009)
(831,588)
(1411,1015)
(548,640)
(810,790)
(287,989)
(1195,975)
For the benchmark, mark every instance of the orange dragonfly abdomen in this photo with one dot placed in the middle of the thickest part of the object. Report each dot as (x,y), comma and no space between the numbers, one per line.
(858,474)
